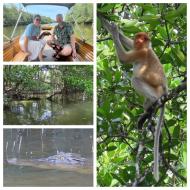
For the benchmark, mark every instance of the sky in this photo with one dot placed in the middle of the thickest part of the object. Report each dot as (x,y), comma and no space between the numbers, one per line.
(45,10)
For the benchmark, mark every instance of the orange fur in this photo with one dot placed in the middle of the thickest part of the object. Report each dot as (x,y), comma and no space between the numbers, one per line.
(146,63)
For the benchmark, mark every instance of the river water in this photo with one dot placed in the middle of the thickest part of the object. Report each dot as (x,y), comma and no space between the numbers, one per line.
(41,143)
(45,112)
(86,31)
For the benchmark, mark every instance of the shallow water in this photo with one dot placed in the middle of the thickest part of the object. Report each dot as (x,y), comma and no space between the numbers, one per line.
(37,112)
(38,143)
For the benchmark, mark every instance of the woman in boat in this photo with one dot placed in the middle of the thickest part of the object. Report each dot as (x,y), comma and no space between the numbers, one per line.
(30,41)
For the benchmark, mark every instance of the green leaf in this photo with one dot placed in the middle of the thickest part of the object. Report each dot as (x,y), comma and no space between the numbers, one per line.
(119,159)
(153,19)
(157,42)
(148,9)
(148,159)
(171,156)
(176,132)
(108,75)
(128,23)
(178,54)
(117,76)
(171,16)
(132,29)
(106,7)
(107,179)
(111,148)
(171,122)
(118,178)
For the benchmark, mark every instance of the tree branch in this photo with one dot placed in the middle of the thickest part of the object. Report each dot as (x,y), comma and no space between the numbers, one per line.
(104,39)
(159,103)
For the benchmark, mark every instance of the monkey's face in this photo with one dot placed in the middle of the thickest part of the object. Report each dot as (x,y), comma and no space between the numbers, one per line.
(142,40)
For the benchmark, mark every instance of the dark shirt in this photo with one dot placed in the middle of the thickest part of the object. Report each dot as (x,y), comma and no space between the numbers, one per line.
(63,33)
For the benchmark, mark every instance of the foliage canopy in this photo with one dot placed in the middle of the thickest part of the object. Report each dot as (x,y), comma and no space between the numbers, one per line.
(82,13)
(48,78)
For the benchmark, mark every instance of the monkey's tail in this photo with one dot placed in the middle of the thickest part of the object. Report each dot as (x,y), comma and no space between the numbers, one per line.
(156,144)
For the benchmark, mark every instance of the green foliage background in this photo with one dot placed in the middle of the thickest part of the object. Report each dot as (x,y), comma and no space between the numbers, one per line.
(119,106)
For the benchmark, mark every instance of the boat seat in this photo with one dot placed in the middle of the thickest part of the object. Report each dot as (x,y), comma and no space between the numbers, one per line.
(20,56)
(85,51)
(12,51)
(84,54)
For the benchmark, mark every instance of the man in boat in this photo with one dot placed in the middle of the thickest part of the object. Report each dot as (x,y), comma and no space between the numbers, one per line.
(62,39)
(30,41)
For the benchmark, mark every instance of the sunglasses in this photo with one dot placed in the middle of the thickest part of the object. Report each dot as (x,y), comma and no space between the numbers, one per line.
(37,19)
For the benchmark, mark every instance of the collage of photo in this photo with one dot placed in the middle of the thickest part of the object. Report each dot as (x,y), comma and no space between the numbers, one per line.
(94,94)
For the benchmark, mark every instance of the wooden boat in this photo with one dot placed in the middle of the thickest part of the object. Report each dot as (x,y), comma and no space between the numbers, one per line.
(12,51)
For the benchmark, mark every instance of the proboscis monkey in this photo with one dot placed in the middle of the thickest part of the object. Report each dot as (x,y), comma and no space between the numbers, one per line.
(148,75)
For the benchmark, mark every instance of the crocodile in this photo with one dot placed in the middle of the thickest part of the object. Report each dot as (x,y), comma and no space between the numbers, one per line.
(60,161)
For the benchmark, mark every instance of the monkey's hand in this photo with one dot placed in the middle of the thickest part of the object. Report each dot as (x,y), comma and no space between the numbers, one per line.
(106,24)
(114,29)
(110,27)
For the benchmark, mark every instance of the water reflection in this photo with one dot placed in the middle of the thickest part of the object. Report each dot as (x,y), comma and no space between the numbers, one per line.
(30,145)
(47,112)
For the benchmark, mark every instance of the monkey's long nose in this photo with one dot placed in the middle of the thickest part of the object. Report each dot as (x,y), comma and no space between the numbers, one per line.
(140,40)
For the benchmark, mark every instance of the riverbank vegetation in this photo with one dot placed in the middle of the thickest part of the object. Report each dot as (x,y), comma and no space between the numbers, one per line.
(22,81)
(11,14)
(82,13)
